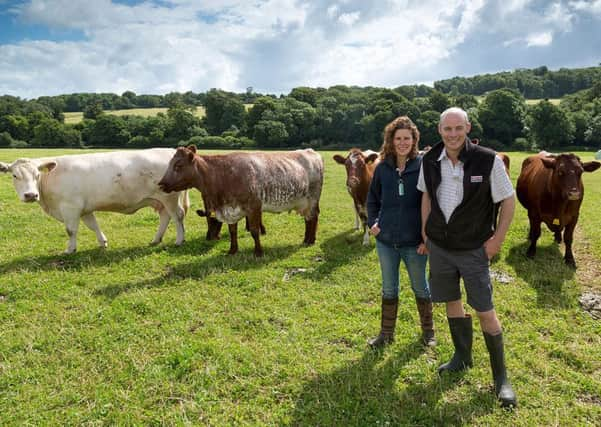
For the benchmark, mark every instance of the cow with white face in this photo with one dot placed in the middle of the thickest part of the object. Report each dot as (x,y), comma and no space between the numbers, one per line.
(75,186)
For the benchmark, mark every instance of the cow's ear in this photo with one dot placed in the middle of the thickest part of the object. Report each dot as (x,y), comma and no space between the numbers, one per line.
(339,159)
(549,162)
(4,167)
(591,166)
(192,148)
(372,158)
(47,167)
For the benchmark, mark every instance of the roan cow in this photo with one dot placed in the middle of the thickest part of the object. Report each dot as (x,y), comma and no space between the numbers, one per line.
(360,166)
(75,186)
(551,189)
(238,185)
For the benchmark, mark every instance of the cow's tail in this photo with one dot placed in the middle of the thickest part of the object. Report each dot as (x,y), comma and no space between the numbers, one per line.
(184,200)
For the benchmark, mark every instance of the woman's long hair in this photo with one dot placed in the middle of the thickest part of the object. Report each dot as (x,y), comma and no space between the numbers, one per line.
(402,122)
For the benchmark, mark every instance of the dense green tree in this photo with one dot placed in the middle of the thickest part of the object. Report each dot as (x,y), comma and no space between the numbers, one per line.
(173,100)
(465,101)
(592,135)
(108,131)
(549,125)
(5,139)
(255,113)
(305,94)
(270,133)
(580,120)
(502,115)
(427,123)
(93,110)
(439,101)
(51,133)
(223,110)
(181,124)
(16,125)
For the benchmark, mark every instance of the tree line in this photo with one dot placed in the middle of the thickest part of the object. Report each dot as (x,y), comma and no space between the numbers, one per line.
(337,117)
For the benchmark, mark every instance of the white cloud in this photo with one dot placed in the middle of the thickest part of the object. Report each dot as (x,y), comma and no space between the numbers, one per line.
(272,45)
(349,18)
(592,7)
(539,39)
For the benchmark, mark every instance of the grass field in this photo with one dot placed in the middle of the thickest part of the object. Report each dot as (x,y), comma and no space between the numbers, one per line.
(77,117)
(554,101)
(140,335)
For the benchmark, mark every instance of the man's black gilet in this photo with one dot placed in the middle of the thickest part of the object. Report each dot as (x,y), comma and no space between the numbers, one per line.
(472,221)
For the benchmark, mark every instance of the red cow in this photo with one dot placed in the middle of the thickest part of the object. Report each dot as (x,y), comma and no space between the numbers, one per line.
(360,166)
(239,185)
(551,189)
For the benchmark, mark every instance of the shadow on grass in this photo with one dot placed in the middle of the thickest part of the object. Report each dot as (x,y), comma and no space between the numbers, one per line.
(202,267)
(546,272)
(81,260)
(366,393)
(343,248)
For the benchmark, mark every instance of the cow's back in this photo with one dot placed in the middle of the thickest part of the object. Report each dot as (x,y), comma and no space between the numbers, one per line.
(114,181)
(276,181)
(285,181)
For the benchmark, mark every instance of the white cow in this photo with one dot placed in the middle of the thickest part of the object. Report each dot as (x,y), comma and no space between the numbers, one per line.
(75,186)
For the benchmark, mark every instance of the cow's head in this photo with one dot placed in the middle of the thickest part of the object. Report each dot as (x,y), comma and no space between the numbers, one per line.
(567,173)
(26,177)
(180,173)
(356,163)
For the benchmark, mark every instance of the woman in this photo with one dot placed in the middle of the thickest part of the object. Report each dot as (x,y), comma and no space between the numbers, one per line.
(394,218)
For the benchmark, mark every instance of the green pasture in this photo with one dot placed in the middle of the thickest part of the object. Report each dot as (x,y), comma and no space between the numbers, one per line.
(141,335)
(77,117)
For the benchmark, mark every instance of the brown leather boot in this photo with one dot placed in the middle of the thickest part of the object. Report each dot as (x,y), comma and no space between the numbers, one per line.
(424,308)
(389,313)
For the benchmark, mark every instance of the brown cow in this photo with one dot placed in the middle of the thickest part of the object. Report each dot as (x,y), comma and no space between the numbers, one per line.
(360,166)
(238,185)
(551,189)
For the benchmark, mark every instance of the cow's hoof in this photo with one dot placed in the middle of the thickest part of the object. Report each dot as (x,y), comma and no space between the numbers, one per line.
(259,254)
(570,263)
(155,242)
(69,251)
(179,243)
(232,251)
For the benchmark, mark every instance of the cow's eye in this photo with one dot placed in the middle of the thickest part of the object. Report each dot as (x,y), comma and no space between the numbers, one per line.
(15,176)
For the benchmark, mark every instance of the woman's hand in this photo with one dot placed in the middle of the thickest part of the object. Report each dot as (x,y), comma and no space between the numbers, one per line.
(422,249)
(374,230)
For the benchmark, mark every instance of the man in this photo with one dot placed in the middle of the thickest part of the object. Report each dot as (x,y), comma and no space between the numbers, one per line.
(461,183)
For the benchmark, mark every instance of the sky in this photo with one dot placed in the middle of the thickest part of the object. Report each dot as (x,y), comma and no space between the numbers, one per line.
(53,47)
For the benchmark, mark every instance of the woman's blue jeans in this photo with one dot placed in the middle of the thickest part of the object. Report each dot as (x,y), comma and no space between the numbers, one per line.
(390,257)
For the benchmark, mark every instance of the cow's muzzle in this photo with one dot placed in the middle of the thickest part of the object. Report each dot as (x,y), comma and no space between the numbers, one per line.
(574,195)
(31,197)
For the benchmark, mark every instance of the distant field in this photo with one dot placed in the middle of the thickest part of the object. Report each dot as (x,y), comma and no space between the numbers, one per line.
(554,101)
(77,117)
